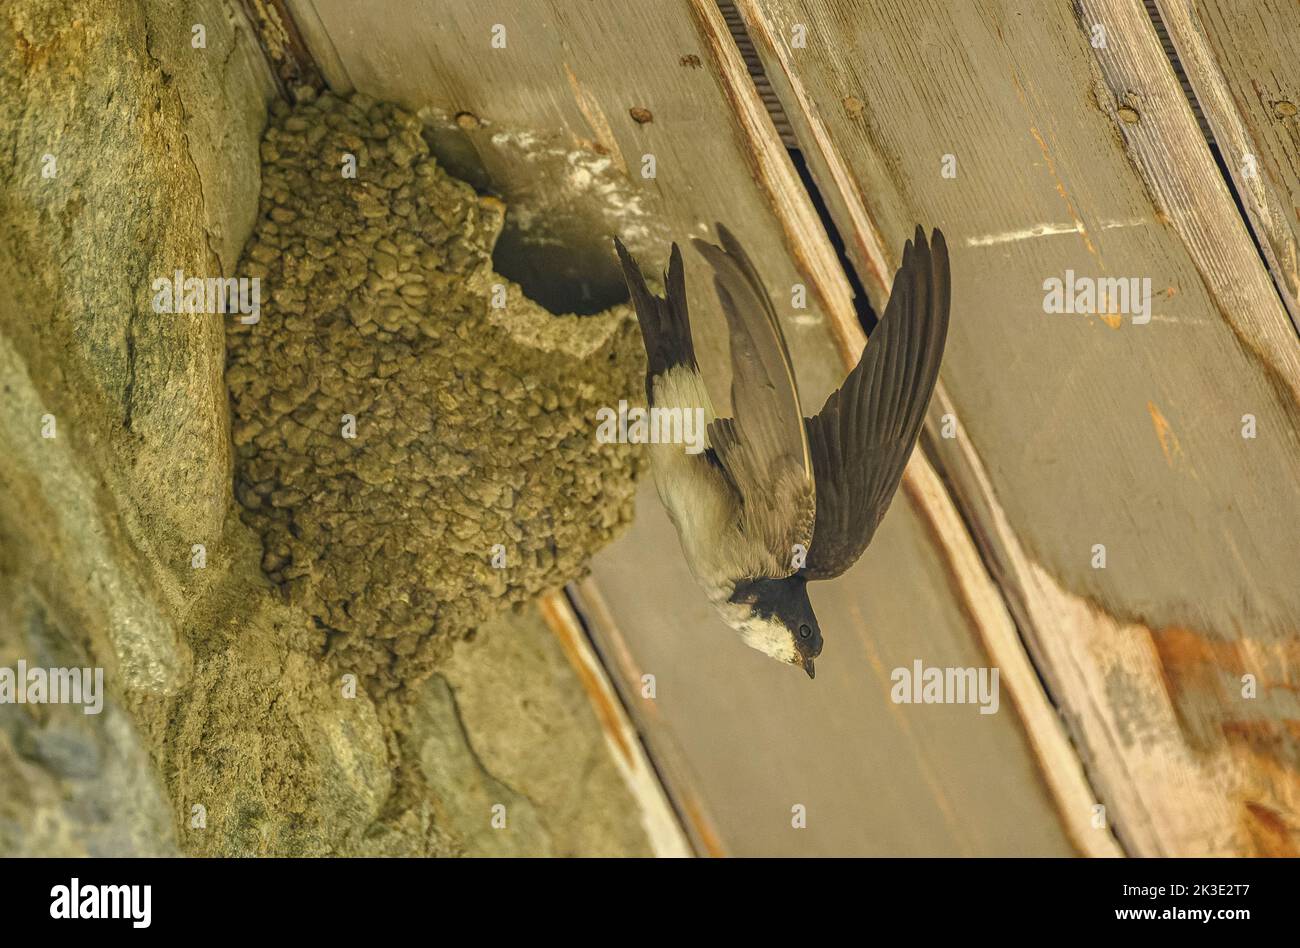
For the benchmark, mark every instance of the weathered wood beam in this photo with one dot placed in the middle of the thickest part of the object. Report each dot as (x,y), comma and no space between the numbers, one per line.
(1241,61)
(627,676)
(1086,430)
(550,120)
(660,821)
(981,599)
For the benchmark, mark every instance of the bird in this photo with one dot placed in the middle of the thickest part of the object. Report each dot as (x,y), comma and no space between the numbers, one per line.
(776,499)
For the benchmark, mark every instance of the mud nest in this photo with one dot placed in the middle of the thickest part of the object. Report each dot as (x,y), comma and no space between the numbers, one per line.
(470,479)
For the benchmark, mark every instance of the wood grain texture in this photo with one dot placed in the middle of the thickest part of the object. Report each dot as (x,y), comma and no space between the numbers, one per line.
(982,603)
(1088,429)
(552,131)
(617,654)
(553,134)
(662,827)
(1241,60)
(875,777)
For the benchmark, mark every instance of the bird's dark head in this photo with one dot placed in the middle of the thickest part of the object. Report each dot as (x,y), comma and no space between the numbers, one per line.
(776,617)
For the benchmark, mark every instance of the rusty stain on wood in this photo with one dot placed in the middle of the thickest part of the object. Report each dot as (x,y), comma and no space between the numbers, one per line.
(660,821)
(680,784)
(1169,445)
(1199,672)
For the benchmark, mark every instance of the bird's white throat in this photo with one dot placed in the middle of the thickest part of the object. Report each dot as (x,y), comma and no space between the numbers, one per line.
(766,635)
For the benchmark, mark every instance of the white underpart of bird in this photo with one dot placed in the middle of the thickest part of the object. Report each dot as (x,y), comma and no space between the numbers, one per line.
(697,495)
(777,499)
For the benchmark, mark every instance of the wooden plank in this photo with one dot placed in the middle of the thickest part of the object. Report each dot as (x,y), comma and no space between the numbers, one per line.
(657,816)
(616,654)
(877,777)
(982,604)
(1081,430)
(552,132)
(950,544)
(1240,58)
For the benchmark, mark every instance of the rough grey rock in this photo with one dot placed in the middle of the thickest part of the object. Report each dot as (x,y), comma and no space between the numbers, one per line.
(219,693)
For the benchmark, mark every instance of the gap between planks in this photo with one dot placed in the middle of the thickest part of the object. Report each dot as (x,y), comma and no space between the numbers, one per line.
(660,821)
(613,650)
(1270,216)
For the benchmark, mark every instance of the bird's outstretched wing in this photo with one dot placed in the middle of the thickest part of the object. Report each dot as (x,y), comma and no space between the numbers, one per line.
(764,448)
(863,436)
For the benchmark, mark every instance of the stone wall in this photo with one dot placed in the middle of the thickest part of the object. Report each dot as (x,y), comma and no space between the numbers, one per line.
(227,726)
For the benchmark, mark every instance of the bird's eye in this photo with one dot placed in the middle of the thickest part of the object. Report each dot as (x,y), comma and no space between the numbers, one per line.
(804,631)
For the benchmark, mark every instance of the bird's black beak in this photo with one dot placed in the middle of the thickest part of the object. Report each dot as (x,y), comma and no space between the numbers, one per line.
(808,667)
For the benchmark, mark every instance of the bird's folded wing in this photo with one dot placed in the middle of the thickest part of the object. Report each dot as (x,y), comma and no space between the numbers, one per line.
(863,436)
(764,448)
